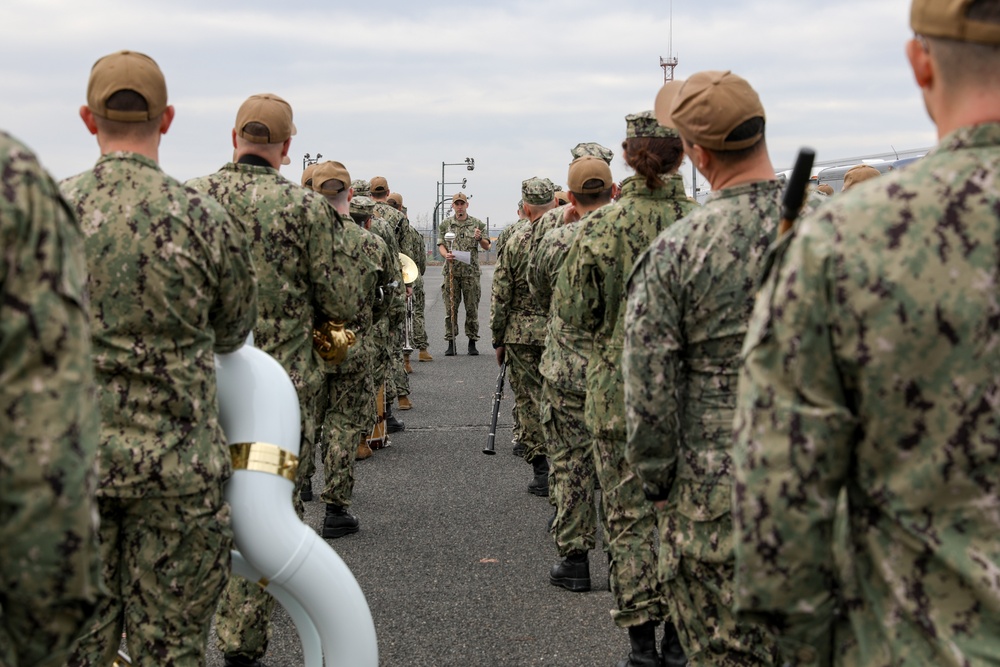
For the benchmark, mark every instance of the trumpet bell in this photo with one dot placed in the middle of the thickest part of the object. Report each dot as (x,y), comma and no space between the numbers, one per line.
(410,271)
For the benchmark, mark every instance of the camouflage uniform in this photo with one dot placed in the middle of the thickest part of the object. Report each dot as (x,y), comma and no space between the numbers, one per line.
(307,258)
(418,253)
(689,301)
(871,366)
(384,327)
(466,276)
(50,571)
(398,383)
(564,389)
(518,323)
(171,281)
(590,295)
(349,411)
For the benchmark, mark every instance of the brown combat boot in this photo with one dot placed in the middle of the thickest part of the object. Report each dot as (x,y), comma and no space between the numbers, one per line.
(406,363)
(364,451)
(425,355)
(404,403)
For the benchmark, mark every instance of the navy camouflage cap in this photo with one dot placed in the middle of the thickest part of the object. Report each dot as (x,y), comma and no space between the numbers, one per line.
(644,124)
(592,148)
(362,205)
(361,187)
(537,191)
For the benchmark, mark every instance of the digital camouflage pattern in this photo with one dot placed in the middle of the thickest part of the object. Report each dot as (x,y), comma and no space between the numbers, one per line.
(50,577)
(590,296)
(871,367)
(518,323)
(396,304)
(416,246)
(308,263)
(171,282)
(689,302)
(466,280)
(350,410)
(564,389)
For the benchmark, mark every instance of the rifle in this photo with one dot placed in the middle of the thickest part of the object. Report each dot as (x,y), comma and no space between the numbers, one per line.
(795,191)
(497,397)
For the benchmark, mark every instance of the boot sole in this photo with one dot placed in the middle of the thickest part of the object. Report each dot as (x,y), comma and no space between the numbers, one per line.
(339,532)
(574,585)
(541,493)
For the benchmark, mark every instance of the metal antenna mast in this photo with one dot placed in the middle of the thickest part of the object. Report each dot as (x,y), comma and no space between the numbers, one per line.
(670,62)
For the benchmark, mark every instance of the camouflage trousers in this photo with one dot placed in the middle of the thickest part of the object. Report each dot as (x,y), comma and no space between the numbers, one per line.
(630,522)
(419,341)
(571,465)
(467,289)
(399,379)
(166,561)
(350,414)
(699,594)
(522,367)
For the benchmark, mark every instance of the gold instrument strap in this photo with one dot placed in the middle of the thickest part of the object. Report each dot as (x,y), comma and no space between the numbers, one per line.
(264,457)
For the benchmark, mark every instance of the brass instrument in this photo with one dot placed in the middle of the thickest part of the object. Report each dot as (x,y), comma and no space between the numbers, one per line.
(410,270)
(332,341)
(450,239)
(410,275)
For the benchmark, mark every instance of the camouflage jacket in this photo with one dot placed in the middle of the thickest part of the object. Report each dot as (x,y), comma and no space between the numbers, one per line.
(590,290)
(397,221)
(515,317)
(307,261)
(393,290)
(415,248)
(567,349)
(361,355)
(464,240)
(171,282)
(689,301)
(49,423)
(871,366)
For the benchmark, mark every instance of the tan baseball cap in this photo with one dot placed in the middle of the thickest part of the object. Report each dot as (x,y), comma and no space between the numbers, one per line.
(857,174)
(330,178)
(708,106)
(270,111)
(589,168)
(950,19)
(379,184)
(396,199)
(460,197)
(126,70)
(306,174)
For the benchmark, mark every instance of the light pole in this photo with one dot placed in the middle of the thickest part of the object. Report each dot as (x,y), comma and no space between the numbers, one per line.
(306,160)
(439,196)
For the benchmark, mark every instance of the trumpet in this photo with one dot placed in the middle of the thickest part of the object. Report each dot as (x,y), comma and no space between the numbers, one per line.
(332,341)
(410,275)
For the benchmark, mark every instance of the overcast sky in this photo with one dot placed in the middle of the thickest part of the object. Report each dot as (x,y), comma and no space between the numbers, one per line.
(513,84)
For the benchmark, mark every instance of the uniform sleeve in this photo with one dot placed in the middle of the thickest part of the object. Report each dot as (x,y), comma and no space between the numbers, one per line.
(793,442)
(582,278)
(651,368)
(442,230)
(235,311)
(502,296)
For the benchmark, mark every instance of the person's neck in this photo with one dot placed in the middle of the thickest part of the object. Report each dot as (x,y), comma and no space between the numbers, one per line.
(750,171)
(462,217)
(147,148)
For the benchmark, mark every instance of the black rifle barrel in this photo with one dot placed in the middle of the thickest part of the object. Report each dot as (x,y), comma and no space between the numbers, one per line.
(795,190)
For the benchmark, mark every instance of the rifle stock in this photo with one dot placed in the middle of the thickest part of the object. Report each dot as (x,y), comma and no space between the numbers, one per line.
(497,397)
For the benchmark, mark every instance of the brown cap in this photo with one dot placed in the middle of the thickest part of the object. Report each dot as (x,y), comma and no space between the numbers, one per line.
(330,178)
(949,19)
(306,173)
(825,188)
(560,197)
(379,184)
(589,168)
(460,197)
(126,70)
(857,174)
(396,199)
(270,111)
(707,107)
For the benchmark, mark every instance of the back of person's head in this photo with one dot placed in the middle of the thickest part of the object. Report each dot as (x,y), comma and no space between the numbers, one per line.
(362,209)
(964,39)
(265,121)
(651,149)
(590,180)
(858,174)
(127,94)
(395,200)
(332,180)
(592,148)
(538,195)
(719,111)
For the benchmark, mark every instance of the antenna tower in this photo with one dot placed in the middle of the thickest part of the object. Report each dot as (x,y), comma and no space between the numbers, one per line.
(670,62)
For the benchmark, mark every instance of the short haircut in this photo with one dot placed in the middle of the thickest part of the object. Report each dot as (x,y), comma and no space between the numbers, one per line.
(744,130)
(972,64)
(602,197)
(127,100)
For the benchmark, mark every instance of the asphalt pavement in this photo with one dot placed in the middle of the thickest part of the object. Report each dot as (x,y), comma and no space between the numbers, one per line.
(453,553)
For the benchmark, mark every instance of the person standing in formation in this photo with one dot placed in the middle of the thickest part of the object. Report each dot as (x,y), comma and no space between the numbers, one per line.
(50,569)
(866,466)
(307,260)
(171,281)
(461,281)
(590,296)
(416,251)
